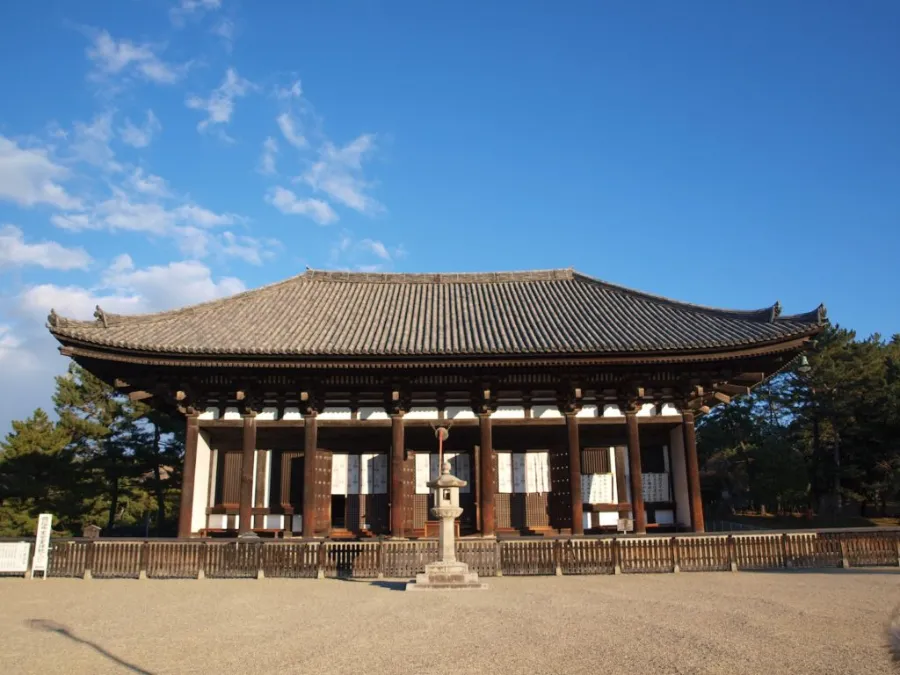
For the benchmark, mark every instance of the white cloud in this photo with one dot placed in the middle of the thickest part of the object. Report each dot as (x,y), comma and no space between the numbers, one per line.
(140,136)
(338,174)
(294,91)
(248,249)
(220,105)
(289,130)
(364,255)
(287,202)
(14,252)
(375,247)
(90,143)
(186,8)
(29,177)
(225,30)
(124,212)
(149,184)
(167,286)
(267,160)
(122,57)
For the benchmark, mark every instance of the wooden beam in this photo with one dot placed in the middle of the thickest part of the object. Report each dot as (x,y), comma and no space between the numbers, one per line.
(575,473)
(719,396)
(693,471)
(637,481)
(755,378)
(733,389)
(310,443)
(139,395)
(398,498)
(186,509)
(486,488)
(248,450)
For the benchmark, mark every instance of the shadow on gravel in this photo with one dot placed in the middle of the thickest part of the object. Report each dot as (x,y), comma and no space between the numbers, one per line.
(824,570)
(388,585)
(59,629)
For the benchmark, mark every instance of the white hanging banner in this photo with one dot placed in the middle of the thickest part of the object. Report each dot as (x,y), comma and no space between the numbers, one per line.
(422,467)
(518,473)
(42,544)
(505,472)
(353,474)
(379,486)
(435,470)
(339,474)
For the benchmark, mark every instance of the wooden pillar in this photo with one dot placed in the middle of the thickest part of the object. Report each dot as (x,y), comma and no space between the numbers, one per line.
(486,489)
(186,508)
(693,471)
(575,474)
(259,502)
(311,440)
(248,451)
(637,482)
(398,496)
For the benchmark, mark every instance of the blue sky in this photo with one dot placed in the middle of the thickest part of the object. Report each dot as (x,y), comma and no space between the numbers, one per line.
(156,153)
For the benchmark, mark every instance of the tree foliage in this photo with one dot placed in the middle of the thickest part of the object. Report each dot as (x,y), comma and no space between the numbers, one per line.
(105,460)
(816,441)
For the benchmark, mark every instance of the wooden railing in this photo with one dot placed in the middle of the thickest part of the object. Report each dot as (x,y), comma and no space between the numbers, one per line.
(298,558)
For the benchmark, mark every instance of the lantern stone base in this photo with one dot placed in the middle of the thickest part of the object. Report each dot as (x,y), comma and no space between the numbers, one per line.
(446,576)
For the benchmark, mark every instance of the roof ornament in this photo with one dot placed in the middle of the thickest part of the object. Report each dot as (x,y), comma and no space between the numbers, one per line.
(776,309)
(53,318)
(100,315)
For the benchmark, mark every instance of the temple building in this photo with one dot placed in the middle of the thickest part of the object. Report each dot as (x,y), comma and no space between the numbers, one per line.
(311,404)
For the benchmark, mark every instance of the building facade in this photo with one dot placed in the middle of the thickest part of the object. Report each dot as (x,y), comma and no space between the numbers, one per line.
(311,404)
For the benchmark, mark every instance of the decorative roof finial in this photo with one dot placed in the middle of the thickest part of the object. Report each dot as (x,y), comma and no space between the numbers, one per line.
(776,310)
(100,315)
(53,318)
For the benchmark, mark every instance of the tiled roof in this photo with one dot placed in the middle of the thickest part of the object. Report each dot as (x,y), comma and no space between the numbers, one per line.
(553,312)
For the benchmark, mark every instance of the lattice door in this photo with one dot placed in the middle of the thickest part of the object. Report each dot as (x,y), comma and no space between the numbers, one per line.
(560,499)
(323,492)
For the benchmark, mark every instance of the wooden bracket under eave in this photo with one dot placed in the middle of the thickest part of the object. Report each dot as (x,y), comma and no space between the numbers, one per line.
(139,395)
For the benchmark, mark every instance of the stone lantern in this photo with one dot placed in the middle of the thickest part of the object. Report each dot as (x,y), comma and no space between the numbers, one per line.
(448,573)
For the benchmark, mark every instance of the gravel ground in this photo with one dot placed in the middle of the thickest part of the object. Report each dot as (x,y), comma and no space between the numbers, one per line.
(770,623)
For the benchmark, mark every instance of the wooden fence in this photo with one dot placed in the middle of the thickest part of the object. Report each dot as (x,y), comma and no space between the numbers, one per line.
(236,559)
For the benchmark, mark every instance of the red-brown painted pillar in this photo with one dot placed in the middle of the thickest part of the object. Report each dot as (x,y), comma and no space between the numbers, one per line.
(186,508)
(637,481)
(248,451)
(575,474)
(486,489)
(398,496)
(311,440)
(693,471)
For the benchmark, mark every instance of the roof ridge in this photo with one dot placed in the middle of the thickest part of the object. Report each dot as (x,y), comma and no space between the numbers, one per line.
(563,274)
(764,314)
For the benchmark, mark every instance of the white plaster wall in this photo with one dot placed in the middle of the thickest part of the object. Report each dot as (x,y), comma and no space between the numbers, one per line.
(201,483)
(647,410)
(211,501)
(459,413)
(210,414)
(253,491)
(232,414)
(509,412)
(668,409)
(336,414)
(611,410)
(373,414)
(589,410)
(268,414)
(544,411)
(297,523)
(422,413)
(274,522)
(218,521)
(679,477)
(268,459)
(292,414)
(608,519)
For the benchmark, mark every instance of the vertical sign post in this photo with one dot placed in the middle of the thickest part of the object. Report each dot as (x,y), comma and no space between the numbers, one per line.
(42,544)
